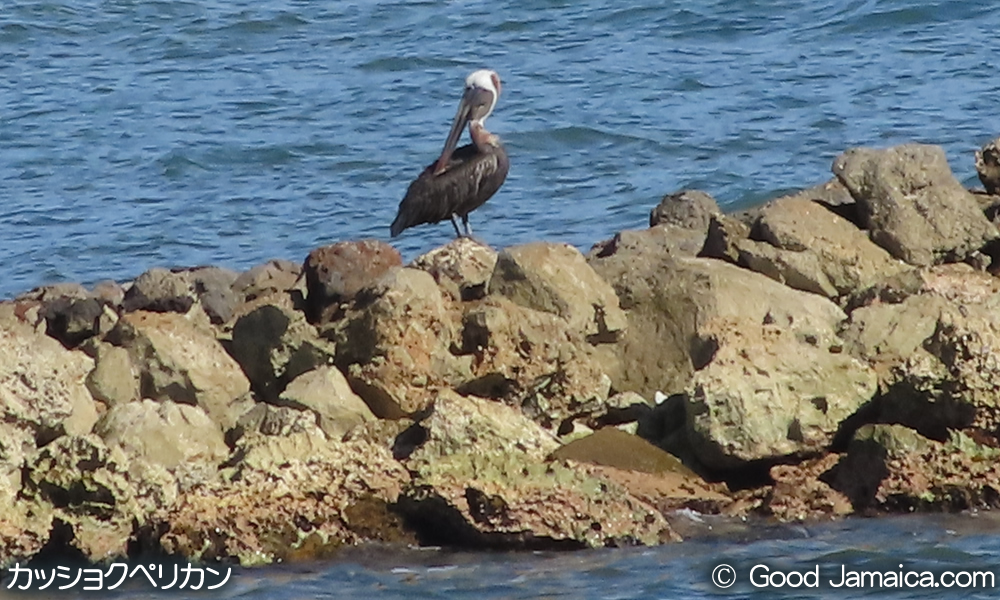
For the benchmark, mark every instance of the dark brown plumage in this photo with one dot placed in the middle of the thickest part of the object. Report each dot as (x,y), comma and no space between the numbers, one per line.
(463,179)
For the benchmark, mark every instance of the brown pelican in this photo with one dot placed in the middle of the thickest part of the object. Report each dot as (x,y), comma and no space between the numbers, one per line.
(461,180)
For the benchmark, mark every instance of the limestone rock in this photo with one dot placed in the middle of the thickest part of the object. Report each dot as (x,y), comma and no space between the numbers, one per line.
(556,278)
(179,437)
(462,267)
(799,492)
(934,348)
(339,494)
(160,290)
(88,485)
(533,360)
(114,379)
(807,247)
(723,238)
(42,385)
(671,239)
(213,288)
(669,299)
(74,320)
(895,468)
(269,278)
(766,394)
(686,209)
(275,344)
(395,343)
(181,362)
(913,205)
(479,480)
(326,392)
(337,272)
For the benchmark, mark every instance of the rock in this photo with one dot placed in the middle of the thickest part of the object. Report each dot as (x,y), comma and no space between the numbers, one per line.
(800,494)
(180,362)
(891,467)
(325,391)
(610,447)
(275,344)
(335,273)
(462,267)
(807,247)
(556,278)
(723,237)
(160,290)
(74,320)
(765,394)
(88,485)
(294,508)
(988,166)
(42,385)
(179,437)
(213,288)
(668,300)
(672,239)
(274,276)
(833,196)
(394,343)
(479,480)
(913,205)
(686,209)
(533,360)
(934,351)
(114,379)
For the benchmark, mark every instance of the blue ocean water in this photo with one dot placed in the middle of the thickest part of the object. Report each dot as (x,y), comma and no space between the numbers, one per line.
(933,556)
(142,133)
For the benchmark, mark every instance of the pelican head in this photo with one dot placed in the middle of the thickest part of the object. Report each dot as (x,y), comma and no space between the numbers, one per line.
(482,89)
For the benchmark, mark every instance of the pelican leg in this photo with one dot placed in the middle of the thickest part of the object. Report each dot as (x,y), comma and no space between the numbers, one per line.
(468,228)
(458,232)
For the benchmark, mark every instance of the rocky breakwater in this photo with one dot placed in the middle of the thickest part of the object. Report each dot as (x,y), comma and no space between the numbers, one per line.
(830,352)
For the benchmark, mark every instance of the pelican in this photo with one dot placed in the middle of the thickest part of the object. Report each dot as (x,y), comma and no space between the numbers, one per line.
(461,180)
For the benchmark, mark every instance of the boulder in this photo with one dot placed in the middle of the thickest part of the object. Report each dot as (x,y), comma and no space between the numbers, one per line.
(114,380)
(274,344)
(807,247)
(160,290)
(325,391)
(533,360)
(480,479)
(912,204)
(181,362)
(274,276)
(335,273)
(462,267)
(670,239)
(766,393)
(892,467)
(74,320)
(42,384)
(669,299)
(723,238)
(934,347)
(213,288)
(394,343)
(88,487)
(179,437)
(555,278)
(686,209)
(988,166)
(292,508)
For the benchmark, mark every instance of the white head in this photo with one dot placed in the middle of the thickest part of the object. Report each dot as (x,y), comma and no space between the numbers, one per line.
(482,88)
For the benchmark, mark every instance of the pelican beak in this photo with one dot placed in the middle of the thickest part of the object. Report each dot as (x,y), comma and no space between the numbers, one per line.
(462,117)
